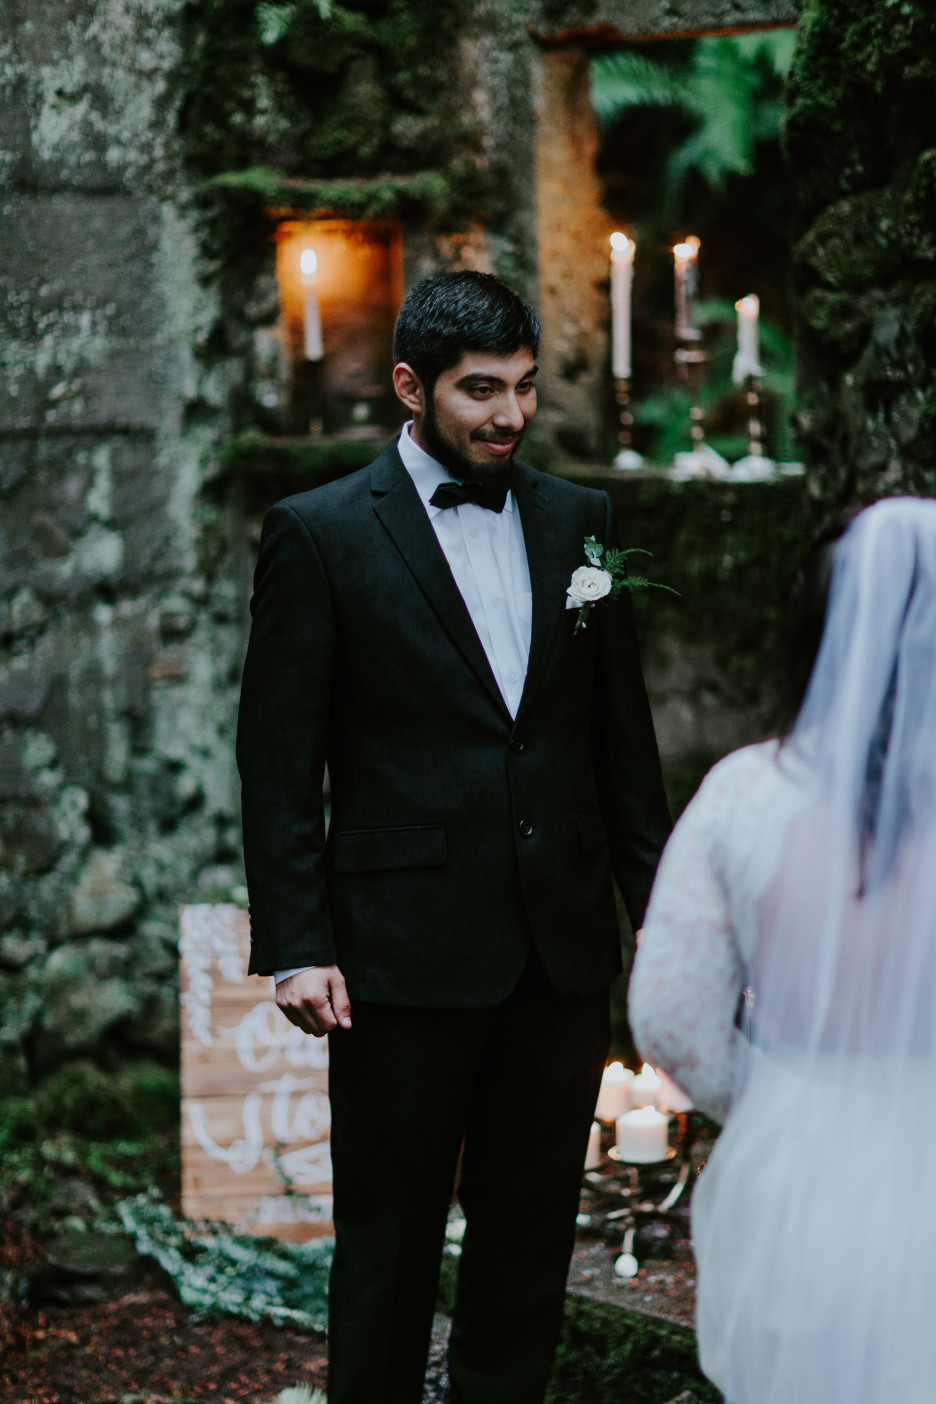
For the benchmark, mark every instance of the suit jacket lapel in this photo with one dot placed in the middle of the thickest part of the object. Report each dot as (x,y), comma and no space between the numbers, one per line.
(399,508)
(547,579)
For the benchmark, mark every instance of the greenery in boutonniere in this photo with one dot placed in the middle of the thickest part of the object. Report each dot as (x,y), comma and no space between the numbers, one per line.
(603,579)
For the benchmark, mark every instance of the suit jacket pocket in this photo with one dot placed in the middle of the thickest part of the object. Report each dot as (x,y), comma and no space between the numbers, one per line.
(592,832)
(383,850)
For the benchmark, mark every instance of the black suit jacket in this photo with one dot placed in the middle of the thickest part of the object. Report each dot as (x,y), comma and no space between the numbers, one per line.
(457,834)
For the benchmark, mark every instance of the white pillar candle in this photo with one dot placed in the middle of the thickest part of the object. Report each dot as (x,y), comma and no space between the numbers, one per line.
(622,275)
(613,1097)
(686,265)
(747,360)
(671,1097)
(311,313)
(593,1155)
(643,1135)
(645,1089)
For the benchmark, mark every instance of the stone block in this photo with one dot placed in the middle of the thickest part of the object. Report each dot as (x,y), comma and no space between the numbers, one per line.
(81,313)
(91,511)
(18,950)
(86,93)
(14,1071)
(15,460)
(19,1004)
(101,900)
(17,780)
(87,989)
(29,840)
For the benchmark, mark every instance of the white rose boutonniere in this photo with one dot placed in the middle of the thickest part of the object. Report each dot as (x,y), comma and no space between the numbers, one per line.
(603,579)
(587,587)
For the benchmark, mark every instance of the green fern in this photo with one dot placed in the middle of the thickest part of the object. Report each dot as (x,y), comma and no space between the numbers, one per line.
(626,79)
(729,89)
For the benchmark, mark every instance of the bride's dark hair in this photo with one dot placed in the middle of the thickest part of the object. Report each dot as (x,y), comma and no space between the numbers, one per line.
(807,619)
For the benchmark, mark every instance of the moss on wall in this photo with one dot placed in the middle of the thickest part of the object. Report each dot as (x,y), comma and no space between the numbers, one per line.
(313,91)
(861,136)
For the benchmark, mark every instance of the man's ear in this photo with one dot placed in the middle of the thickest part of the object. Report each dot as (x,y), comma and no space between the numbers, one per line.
(409,388)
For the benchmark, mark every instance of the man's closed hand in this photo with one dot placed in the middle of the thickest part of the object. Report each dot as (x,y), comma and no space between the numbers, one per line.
(316,1001)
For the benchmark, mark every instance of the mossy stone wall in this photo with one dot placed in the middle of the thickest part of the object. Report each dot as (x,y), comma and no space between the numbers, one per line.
(122,590)
(861,137)
(141,145)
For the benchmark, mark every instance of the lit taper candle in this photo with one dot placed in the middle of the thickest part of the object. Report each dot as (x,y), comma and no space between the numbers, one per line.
(747,360)
(622,276)
(686,264)
(311,314)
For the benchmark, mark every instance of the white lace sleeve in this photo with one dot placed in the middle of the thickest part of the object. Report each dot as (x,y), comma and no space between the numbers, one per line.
(688,974)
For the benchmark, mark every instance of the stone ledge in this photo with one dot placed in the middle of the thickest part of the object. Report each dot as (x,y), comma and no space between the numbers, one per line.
(617,20)
(316,460)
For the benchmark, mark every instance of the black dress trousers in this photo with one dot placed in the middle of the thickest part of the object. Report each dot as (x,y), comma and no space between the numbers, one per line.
(518,1084)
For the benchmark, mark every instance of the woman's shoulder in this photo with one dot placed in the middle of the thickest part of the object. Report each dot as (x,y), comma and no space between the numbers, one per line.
(741,809)
(739,770)
(744,784)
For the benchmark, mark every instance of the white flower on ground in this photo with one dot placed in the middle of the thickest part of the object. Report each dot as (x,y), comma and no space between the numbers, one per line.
(588,586)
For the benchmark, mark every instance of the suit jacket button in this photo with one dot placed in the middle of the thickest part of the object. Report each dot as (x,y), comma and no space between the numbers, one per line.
(525,827)
(516,744)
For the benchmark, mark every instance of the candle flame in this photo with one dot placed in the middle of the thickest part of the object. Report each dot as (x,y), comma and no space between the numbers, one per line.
(648,1071)
(751,303)
(615,1072)
(688,249)
(620,243)
(308,263)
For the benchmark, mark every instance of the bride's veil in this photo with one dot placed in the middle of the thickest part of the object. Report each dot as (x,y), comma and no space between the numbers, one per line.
(833,1255)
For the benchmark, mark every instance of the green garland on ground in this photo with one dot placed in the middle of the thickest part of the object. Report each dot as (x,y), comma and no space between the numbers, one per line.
(216,1269)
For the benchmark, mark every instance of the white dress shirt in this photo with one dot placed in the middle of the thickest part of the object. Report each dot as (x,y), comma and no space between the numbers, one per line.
(487,556)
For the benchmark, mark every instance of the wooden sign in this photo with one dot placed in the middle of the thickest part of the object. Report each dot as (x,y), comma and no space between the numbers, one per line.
(255,1111)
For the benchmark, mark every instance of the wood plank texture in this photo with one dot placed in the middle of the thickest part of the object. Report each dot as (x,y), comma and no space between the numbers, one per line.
(255,1111)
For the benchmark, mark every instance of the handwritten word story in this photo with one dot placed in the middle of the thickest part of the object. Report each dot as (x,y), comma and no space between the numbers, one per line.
(255,1111)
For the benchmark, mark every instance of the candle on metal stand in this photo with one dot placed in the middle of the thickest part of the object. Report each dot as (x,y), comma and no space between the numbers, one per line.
(642,1135)
(671,1097)
(701,461)
(622,277)
(686,266)
(593,1154)
(613,1096)
(311,313)
(645,1088)
(746,371)
(747,358)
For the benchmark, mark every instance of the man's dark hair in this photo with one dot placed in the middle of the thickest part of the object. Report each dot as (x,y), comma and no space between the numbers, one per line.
(456,312)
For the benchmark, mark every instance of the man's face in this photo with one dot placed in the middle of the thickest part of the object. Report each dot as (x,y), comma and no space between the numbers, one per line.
(477,414)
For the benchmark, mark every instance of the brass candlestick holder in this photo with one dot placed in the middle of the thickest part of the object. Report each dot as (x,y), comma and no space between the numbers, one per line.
(627,457)
(755,467)
(702,461)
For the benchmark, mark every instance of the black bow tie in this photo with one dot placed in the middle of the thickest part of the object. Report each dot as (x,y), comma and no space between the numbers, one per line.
(484,494)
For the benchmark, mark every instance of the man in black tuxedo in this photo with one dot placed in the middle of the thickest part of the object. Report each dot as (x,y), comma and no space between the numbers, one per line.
(456,931)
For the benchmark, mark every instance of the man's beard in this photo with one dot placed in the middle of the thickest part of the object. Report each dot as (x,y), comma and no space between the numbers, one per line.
(494,474)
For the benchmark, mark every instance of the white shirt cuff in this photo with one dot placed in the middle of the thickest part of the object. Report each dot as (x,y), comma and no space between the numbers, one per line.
(280,975)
